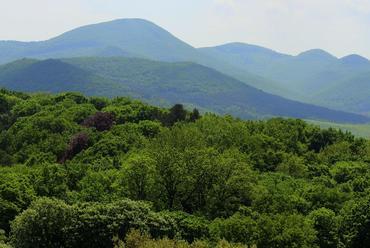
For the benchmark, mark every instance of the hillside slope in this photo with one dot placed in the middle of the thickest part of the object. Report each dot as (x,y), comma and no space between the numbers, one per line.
(160,83)
(134,37)
(53,75)
(128,38)
(314,76)
(325,80)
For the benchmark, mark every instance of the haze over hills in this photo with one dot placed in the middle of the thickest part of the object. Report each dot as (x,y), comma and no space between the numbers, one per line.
(314,76)
(159,82)
(129,38)
(133,37)
(53,76)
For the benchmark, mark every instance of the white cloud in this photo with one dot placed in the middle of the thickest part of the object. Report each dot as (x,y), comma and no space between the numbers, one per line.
(42,19)
(227,2)
(361,6)
(339,26)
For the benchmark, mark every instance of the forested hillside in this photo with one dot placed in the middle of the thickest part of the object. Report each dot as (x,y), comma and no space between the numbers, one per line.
(162,84)
(82,171)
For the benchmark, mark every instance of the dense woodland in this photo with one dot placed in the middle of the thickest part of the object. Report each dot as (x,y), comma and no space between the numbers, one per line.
(82,171)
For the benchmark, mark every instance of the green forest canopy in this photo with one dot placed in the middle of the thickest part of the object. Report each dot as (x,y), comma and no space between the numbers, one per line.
(82,171)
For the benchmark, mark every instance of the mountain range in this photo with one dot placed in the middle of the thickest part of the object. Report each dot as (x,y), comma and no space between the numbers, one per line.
(313,76)
(225,79)
(124,37)
(162,83)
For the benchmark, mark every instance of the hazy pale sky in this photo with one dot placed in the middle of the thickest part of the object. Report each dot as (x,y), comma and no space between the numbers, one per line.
(339,26)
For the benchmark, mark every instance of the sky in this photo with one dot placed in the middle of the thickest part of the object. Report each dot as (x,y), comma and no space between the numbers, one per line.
(340,27)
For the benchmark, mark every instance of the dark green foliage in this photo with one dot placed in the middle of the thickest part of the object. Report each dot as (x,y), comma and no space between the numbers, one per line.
(238,229)
(50,180)
(4,105)
(187,227)
(177,113)
(16,193)
(283,230)
(99,102)
(274,183)
(195,115)
(138,176)
(95,224)
(355,227)
(75,97)
(326,224)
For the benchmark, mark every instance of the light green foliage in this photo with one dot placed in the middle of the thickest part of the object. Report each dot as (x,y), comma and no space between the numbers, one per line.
(46,217)
(50,180)
(343,172)
(283,230)
(293,165)
(238,229)
(135,239)
(52,223)
(211,182)
(98,186)
(138,177)
(326,224)
(16,193)
(233,184)
(277,193)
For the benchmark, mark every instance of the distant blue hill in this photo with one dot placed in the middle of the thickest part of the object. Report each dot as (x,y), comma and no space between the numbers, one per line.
(314,76)
(159,83)
(129,38)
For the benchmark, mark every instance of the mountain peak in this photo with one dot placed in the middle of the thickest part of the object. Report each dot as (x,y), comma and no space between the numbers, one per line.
(129,21)
(248,49)
(355,59)
(316,54)
(136,37)
(114,27)
(242,45)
